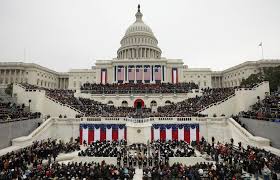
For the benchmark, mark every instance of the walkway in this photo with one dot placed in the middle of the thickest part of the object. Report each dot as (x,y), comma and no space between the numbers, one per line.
(138,174)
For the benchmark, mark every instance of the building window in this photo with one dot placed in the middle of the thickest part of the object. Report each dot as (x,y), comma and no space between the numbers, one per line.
(137,70)
(119,70)
(145,70)
(204,83)
(129,70)
(198,76)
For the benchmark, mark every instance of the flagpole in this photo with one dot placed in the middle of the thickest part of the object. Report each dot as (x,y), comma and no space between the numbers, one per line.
(262,53)
(24,54)
(261,44)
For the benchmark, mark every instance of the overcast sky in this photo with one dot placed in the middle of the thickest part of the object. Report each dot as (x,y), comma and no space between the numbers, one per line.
(67,34)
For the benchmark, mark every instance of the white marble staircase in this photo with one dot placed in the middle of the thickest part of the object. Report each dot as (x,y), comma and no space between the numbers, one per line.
(138,174)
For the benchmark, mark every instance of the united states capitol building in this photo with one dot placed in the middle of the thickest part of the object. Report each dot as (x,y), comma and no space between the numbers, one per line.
(163,118)
(138,60)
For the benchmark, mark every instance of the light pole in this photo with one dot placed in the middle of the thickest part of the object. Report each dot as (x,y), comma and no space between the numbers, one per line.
(29,101)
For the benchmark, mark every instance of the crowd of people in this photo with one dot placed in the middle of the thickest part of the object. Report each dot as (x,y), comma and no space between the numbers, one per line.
(191,106)
(267,109)
(141,88)
(94,108)
(231,162)
(27,163)
(186,108)
(10,112)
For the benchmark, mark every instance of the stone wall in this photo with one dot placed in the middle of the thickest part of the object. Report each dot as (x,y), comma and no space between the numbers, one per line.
(41,103)
(160,99)
(11,130)
(139,132)
(265,129)
(242,100)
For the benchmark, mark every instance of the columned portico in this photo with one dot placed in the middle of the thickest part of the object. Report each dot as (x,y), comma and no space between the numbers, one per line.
(144,73)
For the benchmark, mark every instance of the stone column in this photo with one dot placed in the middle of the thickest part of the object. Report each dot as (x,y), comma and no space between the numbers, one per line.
(127,79)
(19,76)
(117,70)
(124,77)
(4,75)
(151,74)
(154,75)
(143,81)
(10,75)
(161,71)
(134,73)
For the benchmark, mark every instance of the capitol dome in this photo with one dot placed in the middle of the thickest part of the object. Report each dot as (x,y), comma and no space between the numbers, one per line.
(139,41)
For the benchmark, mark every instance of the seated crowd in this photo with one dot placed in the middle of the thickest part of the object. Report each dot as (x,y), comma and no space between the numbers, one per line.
(191,106)
(128,88)
(230,163)
(28,162)
(267,109)
(10,111)
(186,108)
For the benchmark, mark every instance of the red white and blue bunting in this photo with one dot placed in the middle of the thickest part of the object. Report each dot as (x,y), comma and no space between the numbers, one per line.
(102,132)
(180,132)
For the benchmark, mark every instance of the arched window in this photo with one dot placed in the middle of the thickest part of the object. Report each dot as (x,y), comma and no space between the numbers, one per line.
(124,104)
(153,103)
(167,102)
(110,103)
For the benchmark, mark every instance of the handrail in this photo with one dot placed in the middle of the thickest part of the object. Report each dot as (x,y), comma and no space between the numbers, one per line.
(227,98)
(54,100)
(215,103)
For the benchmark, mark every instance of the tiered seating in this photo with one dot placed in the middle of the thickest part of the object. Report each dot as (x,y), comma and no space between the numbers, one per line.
(9,111)
(93,108)
(63,96)
(190,106)
(267,109)
(138,88)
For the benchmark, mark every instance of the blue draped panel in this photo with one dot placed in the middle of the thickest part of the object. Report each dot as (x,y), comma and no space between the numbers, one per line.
(102,126)
(175,126)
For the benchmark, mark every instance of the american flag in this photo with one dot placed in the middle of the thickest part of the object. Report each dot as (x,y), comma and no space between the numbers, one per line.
(147,73)
(121,73)
(131,73)
(139,71)
(157,73)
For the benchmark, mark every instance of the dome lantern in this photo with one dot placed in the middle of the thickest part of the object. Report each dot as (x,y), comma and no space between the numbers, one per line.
(139,15)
